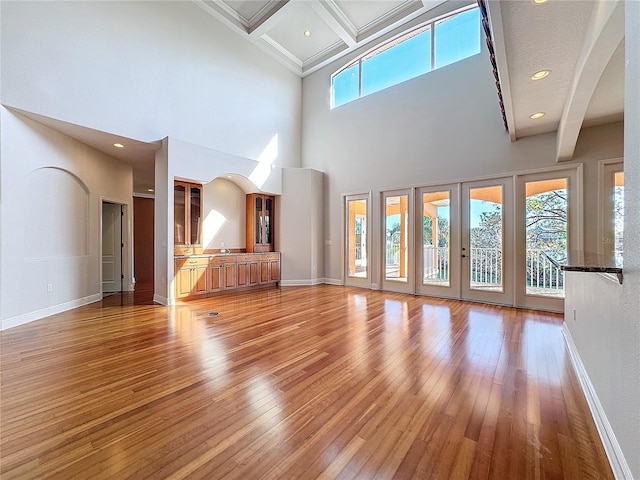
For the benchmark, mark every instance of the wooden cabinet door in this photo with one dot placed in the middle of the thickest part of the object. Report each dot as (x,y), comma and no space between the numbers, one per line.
(274,270)
(243,274)
(229,276)
(264,271)
(199,280)
(215,278)
(183,282)
(253,273)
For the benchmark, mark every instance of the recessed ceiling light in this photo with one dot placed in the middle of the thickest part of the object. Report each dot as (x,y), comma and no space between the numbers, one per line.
(540,74)
(537,115)
(228,176)
(538,2)
(149,189)
(118,145)
(307,33)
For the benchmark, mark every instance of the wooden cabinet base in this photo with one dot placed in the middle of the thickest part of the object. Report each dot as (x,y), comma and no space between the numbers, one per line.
(211,275)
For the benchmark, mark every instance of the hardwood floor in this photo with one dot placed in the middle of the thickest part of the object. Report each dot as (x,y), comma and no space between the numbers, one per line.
(300,382)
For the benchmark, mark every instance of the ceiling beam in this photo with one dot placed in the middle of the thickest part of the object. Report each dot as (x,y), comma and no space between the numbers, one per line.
(495,20)
(336,19)
(605,32)
(269,19)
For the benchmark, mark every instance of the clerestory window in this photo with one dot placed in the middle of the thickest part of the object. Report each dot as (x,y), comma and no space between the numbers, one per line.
(425,48)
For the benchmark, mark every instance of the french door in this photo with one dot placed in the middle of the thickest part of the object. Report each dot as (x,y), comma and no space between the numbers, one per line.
(487,244)
(547,219)
(500,240)
(357,240)
(397,247)
(438,239)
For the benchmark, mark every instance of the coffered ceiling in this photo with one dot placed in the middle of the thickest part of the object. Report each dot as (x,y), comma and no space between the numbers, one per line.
(305,35)
(581,42)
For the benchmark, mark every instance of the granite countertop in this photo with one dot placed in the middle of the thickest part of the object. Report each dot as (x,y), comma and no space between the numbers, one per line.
(594,269)
(208,255)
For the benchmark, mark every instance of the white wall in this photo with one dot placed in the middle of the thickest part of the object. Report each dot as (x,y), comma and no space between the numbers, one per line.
(225,213)
(300,233)
(607,327)
(442,126)
(52,189)
(182,160)
(147,70)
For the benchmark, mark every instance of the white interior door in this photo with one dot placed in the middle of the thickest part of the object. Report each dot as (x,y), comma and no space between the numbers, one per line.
(111,247)
(487,246)
(438,241)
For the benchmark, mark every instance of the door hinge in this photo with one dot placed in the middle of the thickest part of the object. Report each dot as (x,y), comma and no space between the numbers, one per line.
(121,277)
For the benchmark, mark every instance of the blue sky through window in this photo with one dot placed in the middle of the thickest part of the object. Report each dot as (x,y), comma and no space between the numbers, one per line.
(345,86)
(455,38)
(397,64)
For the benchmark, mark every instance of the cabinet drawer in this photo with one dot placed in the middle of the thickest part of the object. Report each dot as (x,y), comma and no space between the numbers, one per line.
(192,262)
(222,260)
(248,258)
(270,256)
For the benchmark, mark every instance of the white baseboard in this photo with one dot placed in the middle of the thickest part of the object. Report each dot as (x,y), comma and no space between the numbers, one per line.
(612,448)
(46,312)
(163,300)
(332,281)
(299,283)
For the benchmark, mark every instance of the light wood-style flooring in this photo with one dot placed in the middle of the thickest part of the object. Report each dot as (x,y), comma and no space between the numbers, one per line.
(295,382)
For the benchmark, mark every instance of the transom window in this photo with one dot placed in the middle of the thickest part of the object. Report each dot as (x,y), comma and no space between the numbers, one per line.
(430,46)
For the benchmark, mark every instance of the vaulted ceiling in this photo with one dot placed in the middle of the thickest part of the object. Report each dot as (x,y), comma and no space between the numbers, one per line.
(305,35)
(581,42)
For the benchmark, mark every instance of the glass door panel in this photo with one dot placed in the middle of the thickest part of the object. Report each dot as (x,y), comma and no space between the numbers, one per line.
(487,249)
(396,241)
(357,241)
(437,268)
(611,214)
(258,220)
(268,228)
(618,217)
(546,215)
(546,220)
(397,237)
(195,201)
(486,238)
(436,244)
(179,215)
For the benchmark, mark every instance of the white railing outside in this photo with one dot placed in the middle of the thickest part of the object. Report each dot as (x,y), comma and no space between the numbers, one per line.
(543,275)
(542,272)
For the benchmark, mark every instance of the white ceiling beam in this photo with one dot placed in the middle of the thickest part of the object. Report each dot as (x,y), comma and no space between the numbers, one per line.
(336,19)
(269,20)
(495,20)
(225,14)
(605,32)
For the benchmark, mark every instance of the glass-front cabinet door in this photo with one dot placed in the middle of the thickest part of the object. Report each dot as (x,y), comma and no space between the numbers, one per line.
(187,215)
(260,223)
(195,197)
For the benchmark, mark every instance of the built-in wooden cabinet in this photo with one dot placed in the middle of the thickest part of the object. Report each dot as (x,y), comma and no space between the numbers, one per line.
(248,270)
(191,277)
(187,215)
(209,274)
(270,268)
(260,223)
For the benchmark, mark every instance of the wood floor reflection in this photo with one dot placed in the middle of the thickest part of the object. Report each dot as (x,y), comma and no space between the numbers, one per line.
(298,382)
